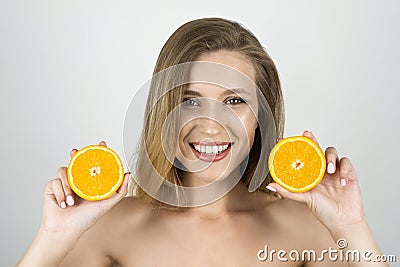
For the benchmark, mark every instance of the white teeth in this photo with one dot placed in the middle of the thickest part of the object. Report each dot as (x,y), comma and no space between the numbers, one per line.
(210,149)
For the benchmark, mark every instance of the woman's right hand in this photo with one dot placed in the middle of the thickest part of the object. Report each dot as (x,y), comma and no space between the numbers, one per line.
(65,212)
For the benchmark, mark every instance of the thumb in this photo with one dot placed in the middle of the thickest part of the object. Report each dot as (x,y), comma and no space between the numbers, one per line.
(300,197)
(123,189)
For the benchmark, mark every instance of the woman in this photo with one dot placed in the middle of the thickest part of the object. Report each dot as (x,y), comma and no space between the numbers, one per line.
(239,228)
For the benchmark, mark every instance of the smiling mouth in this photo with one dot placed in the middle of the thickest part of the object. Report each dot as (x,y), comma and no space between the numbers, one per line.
(211,147)
(211,151)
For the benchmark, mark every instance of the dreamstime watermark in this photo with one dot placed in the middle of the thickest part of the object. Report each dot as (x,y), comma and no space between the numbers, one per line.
(341,253)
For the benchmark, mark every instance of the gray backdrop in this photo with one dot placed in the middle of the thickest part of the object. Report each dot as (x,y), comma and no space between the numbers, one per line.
(68,70)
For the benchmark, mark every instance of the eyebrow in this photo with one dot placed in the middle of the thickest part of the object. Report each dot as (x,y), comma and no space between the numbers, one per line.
(227,92)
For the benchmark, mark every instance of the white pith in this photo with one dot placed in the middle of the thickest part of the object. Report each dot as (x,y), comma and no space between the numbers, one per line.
(297,165)
(94,171)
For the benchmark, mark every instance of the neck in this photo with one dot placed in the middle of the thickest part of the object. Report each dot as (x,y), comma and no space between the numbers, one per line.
(237,199)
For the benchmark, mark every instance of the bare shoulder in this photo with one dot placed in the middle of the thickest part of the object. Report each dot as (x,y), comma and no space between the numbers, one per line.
(127,217)
(130,209)
(99,242)
(299,223)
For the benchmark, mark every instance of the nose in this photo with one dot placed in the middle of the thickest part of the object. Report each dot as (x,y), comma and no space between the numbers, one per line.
(208,127)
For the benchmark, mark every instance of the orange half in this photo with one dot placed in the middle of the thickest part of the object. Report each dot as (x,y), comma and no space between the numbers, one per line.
(297,163)
(95,172)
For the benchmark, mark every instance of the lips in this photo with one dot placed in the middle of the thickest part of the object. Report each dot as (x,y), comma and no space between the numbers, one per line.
(211,151)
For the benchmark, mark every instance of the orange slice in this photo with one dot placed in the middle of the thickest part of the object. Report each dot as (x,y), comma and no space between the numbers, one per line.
(297,163)
(95,172)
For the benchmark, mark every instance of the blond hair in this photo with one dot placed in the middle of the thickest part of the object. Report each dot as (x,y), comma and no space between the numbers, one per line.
(189,41)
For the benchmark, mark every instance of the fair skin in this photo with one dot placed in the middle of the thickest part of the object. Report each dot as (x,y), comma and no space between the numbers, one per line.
(123,231)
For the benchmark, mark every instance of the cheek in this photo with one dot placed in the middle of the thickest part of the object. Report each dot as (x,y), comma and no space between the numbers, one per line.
(183,132)
(250,124)
(251,132)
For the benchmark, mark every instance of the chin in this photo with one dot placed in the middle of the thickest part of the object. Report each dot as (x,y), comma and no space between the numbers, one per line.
(213,174)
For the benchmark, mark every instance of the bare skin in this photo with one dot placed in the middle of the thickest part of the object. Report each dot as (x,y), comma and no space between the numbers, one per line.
(148,236)
(123,231)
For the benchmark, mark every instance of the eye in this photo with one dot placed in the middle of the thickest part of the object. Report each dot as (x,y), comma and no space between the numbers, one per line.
(190,102)
(235,101)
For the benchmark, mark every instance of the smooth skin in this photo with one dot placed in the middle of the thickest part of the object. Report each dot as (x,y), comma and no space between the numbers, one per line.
(134,234)
(124,231)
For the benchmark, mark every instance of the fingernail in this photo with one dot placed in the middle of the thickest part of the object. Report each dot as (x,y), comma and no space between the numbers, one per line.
(70,201)
(343,182)
(63,205)
(331,168)
(270,188)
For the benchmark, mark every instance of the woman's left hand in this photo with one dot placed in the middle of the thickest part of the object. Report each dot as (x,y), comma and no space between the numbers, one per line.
(336,200)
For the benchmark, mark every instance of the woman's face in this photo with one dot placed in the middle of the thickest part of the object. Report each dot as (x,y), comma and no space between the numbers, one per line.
(217,124)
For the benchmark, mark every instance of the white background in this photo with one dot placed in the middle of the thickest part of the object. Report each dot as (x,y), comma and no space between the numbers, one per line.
(68,70)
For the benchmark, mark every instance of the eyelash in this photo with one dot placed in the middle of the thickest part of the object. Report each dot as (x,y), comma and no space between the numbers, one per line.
(237,100)
(241,100)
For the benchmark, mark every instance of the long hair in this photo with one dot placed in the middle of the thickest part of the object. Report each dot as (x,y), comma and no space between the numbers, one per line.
(188,42)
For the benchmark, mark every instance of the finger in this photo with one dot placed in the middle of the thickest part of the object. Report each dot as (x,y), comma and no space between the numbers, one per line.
(300,197)
(123,189)
(347,171)
(73,151)
(70,196)
(332,158)
(102,143)
(310,135)
(55,188)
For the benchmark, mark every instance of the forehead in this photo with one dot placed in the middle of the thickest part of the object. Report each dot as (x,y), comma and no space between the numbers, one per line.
(224,69)
(233,59)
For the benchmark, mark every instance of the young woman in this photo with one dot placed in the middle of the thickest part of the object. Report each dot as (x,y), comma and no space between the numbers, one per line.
(239,228)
